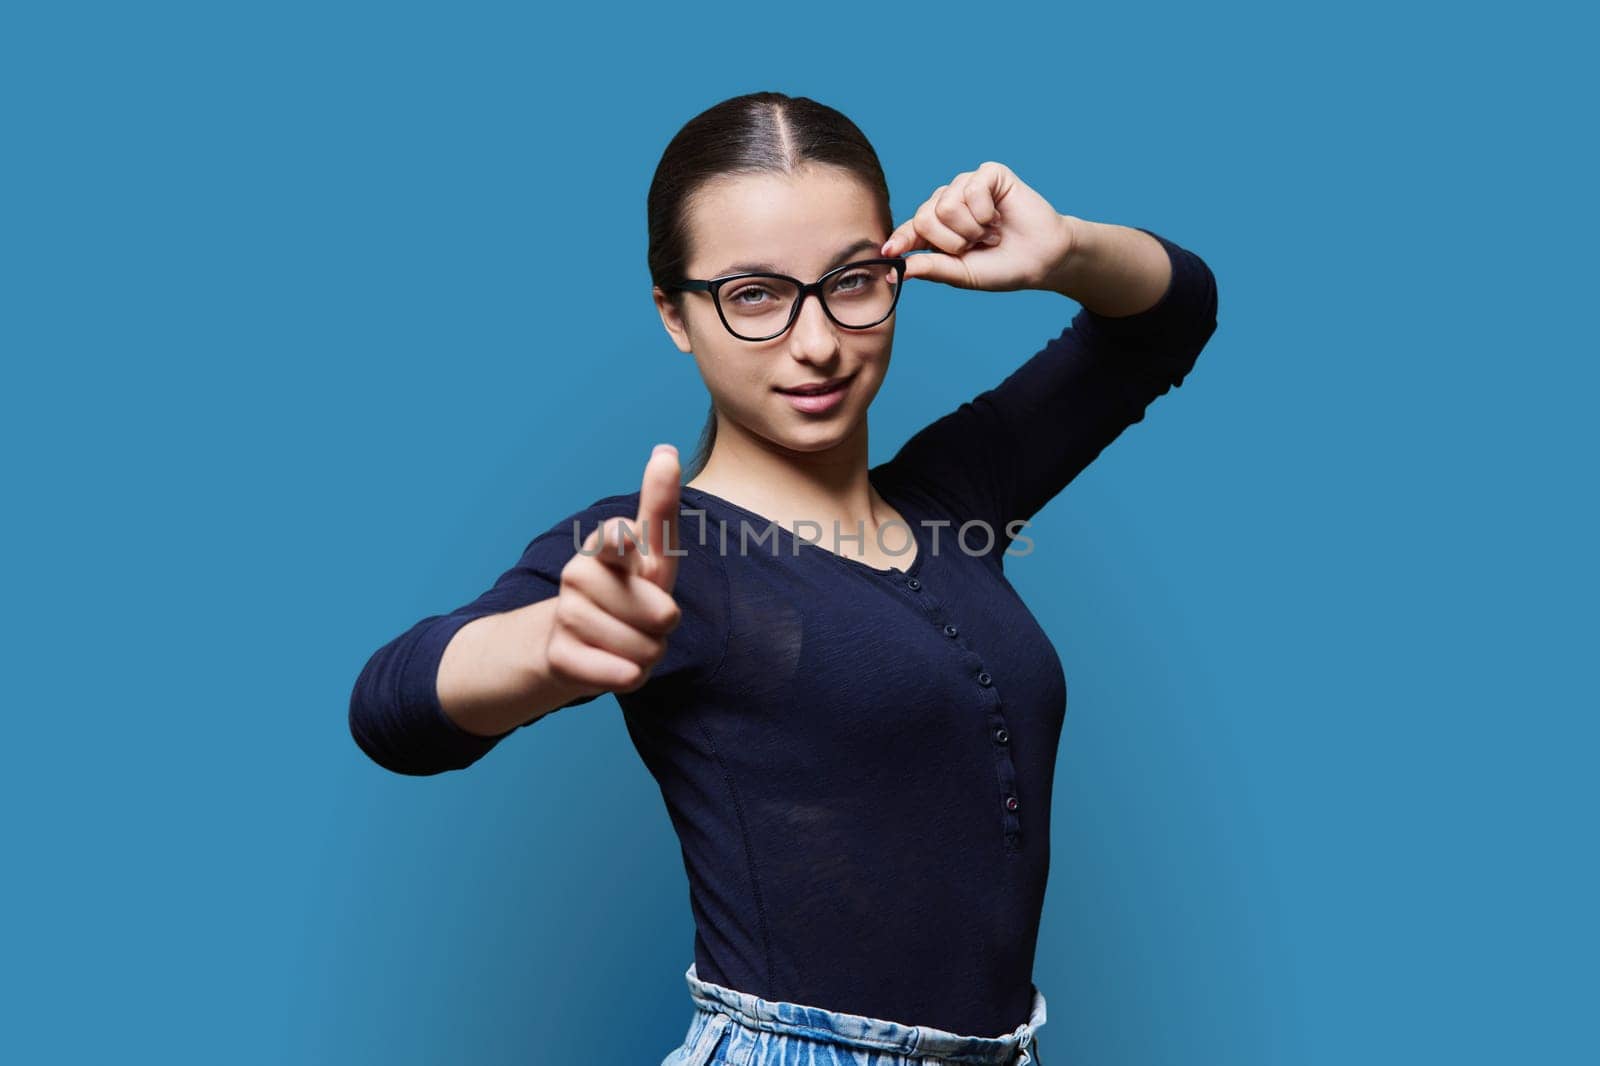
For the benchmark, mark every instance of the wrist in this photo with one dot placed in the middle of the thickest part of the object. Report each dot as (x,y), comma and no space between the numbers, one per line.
(1078,240)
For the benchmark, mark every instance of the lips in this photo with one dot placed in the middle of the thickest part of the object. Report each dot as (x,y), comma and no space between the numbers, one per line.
(816,388)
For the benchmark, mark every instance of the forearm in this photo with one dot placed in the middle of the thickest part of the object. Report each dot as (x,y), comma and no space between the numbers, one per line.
(493,676)
(1111,270)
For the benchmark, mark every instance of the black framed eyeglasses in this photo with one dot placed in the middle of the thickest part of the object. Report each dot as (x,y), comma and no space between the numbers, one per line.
(759,307)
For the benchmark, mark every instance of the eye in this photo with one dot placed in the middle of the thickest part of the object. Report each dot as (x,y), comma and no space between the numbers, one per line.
(851,282)
(748,296)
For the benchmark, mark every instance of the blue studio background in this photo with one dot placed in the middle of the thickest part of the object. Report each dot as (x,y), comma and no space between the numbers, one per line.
(312,314)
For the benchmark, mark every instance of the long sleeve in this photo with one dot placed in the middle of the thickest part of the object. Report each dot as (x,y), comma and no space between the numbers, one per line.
(1003,455)
(396,717)
(395,714)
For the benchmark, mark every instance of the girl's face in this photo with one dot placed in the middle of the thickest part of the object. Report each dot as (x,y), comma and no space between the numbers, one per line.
(802,225)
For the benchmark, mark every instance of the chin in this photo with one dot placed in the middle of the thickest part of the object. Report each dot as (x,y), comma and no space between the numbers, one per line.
(818,438)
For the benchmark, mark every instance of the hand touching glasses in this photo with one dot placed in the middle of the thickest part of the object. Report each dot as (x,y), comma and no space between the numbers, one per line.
(986,229)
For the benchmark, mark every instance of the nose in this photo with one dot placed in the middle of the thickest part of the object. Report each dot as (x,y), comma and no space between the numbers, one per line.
(813,338)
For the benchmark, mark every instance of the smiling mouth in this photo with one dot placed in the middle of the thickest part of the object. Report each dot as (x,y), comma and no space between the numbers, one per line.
(818,389)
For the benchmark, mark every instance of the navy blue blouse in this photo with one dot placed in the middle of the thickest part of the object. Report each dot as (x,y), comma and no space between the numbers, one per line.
(857,761)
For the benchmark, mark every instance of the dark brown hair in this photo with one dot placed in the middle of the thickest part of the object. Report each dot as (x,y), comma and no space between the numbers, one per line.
(758,133)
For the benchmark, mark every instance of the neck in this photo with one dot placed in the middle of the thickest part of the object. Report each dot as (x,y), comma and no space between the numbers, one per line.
(787,486)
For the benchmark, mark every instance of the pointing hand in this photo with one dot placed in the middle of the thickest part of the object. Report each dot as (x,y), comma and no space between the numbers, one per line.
(615,607)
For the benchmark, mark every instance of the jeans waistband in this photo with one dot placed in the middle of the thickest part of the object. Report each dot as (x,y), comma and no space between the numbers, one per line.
(871,1034)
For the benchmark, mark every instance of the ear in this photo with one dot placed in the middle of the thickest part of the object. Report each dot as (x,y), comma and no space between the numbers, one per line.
(672,320)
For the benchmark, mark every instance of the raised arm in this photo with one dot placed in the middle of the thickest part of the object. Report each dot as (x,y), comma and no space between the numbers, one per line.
(1007,452)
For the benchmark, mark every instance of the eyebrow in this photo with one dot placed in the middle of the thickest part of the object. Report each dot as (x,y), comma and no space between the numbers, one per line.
(859,246)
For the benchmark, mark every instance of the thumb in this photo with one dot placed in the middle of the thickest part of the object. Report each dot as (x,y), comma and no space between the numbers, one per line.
(658,516)
(937,266)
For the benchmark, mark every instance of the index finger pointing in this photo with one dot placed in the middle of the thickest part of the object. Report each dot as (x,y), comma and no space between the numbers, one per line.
(658,515)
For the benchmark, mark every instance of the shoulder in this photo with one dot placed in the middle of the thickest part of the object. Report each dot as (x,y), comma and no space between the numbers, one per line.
(625,504)
(554,545)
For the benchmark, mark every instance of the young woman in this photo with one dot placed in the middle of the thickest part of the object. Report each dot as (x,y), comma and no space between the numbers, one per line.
(852,716)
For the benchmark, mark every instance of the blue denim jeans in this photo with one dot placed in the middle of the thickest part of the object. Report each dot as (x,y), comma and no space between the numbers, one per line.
(732,1028)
